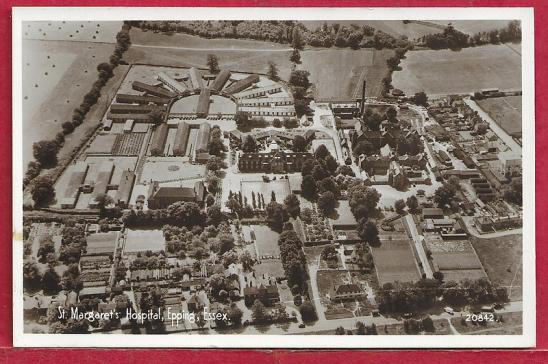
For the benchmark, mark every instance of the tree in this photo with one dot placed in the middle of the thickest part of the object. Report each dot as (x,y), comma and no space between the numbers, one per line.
(363,147)
(327,202)
(308,186)
(340,331)
(399,205)
(250,145)
(514,192)
(68,127)
(247,261)
(31,276)
(368,231)
(428,324)
(45,152)
(321,152)
(412,203)
(297,41)
(276,214)
(273,71)
(443,196)
(103,201)
(299,78)
(391,114)
(292,205)
(216,146)
(215,163)
(258,312)
(42,191)
(105,69)
(299,144)
(50,282)
(308,312)
(234,314)
(329,184)
(213,183)
(295,56)
(241,118)
(421,99)
(233,205)
(363,200)
(213,63)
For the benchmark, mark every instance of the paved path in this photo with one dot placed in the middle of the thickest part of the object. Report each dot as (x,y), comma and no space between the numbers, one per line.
(418,245)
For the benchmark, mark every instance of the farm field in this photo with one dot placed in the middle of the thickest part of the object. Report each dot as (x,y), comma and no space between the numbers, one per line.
(501,257)
(347,69)
(445,72)
(472,26)
(56,76)
(505,111)
(75,31)
(395,262)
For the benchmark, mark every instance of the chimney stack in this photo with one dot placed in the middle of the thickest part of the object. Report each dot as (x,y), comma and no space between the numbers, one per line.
(362,106)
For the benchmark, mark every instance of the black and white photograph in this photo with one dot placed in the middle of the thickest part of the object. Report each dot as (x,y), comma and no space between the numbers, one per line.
(241,176)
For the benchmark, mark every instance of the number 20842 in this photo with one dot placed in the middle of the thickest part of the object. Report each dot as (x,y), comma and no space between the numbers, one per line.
(480,317)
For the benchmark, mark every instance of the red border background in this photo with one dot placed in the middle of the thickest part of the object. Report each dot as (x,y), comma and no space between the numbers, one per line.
(10,354)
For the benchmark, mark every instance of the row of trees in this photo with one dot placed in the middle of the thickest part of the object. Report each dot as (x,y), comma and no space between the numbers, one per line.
(415,297)
(45,151)
(293,260)
(284,32)
(454,39)
(187,214)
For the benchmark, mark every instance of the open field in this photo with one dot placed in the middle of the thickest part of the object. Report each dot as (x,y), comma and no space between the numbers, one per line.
(505,111)
(468,70)
(346,65)
(473,26)
(56,76)
(395,262)
(501,257)
(346,71)
(75,31)
(143,240)
(265,239)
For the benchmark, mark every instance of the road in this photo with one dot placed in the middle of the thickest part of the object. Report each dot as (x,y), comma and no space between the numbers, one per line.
(507,139)
(418,245)
(332,132)
(254,50)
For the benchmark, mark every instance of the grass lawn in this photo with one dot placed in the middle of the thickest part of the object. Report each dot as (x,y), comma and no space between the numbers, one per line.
(444,72)
(269,267)
(505,111)
(395,262)
(501,257)
(280,188)
(143,240)
(266,240)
